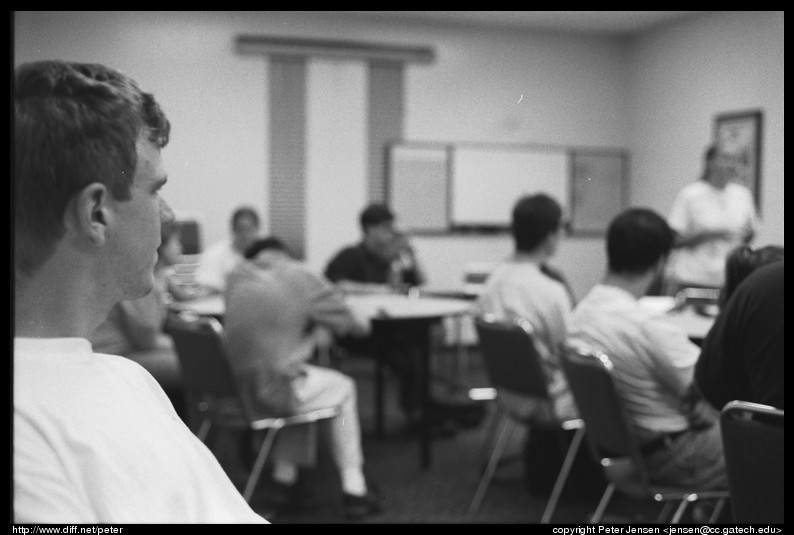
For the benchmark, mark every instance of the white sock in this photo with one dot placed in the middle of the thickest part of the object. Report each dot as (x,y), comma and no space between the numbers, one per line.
(285,472)
(353,482)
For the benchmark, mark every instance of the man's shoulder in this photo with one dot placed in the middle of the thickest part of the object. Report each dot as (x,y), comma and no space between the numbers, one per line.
(694,190)
(350,250)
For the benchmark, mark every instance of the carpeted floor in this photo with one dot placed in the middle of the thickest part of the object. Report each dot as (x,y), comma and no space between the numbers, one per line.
(439,494)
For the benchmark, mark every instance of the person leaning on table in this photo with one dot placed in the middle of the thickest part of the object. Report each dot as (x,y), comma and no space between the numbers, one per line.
(274,305)
(96,439)
(654,360)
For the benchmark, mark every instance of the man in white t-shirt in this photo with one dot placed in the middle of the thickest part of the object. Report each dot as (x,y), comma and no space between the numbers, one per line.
(653,360)
(521,287)
(96,439)
(711,217)
(218,260)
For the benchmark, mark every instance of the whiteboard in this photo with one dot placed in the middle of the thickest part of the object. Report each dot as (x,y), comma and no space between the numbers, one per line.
(489,180)
(417,187)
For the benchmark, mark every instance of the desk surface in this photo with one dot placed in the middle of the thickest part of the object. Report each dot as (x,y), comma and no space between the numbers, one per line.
(694,323)
(374,307)
(391,306)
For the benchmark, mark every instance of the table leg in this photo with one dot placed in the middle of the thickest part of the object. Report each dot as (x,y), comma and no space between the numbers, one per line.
(379,395)
(426,382)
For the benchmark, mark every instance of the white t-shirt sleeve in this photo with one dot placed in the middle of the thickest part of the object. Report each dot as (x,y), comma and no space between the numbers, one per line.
(678,218)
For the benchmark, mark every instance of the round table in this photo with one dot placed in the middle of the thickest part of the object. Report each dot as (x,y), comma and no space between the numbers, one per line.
(416,313)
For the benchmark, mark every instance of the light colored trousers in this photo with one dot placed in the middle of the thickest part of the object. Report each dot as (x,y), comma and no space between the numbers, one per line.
(321,388)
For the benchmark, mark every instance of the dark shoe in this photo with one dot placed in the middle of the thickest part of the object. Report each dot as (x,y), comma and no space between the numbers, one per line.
(291,498)
(466,413)
(357,507)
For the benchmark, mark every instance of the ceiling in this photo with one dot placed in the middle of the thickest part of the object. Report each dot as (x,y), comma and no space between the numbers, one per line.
(602,22)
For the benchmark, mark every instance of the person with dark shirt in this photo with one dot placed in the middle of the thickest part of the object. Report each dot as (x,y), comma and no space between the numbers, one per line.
(742,355)
(384,262)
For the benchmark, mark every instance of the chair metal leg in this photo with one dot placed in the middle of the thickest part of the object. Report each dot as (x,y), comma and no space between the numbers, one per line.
(380,379)
(573,449)
(663,514)
(682,506)
(204,429)
(493,463)
(490,433)
(259,464)
(715,514)
(602,504)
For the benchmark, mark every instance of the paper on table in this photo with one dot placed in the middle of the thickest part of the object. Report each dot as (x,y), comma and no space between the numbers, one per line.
(658,303)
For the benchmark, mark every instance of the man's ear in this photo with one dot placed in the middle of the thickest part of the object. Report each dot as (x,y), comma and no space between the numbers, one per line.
(90,213)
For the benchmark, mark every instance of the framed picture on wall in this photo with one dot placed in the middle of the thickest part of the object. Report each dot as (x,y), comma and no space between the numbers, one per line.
(739,133)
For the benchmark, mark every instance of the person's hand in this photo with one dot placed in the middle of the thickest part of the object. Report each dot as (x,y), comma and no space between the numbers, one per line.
(747,232)
(699,412)
(701,415)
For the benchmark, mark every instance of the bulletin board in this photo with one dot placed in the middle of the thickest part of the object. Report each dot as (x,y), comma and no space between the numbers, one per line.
(599,191)
(417,186)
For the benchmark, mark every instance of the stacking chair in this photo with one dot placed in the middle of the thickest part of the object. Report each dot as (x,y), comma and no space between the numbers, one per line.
(612,440)
(211,387)
(752,439)
(513,364)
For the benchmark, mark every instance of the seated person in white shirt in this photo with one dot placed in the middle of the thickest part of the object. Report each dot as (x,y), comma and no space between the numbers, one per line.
(654,360)
(220,258)
(96,440)
(520,287)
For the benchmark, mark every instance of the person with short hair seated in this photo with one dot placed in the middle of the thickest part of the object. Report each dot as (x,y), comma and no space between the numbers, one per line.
(654,360)
(273,306)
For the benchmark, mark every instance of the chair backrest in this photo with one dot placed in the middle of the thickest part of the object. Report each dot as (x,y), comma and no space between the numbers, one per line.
(511,359)
(752,438)
(200,345)
(589,374)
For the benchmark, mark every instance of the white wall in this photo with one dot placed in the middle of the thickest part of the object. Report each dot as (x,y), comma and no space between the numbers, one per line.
(680,77)
(654,95)
(336,159)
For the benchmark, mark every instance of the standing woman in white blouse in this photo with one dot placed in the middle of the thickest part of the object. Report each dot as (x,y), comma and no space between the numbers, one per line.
(711,216)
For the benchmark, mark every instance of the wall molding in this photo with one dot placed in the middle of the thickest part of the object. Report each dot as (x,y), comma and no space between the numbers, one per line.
(290,46)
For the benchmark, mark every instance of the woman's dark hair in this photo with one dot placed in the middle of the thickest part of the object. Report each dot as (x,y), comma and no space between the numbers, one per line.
(264,244)
(244,212)
(742,261)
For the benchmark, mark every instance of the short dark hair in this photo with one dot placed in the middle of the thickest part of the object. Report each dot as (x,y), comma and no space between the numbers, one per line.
(742,261)
(74,124)
(375,214)
(263,244)
(243,212)
(636,240)
(534,218)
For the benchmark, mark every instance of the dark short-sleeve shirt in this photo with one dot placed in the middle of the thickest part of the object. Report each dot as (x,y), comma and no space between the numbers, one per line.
(359,264)
(742,356)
